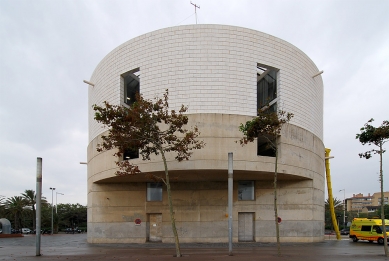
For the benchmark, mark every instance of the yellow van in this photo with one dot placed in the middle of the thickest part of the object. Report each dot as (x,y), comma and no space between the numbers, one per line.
(368,229)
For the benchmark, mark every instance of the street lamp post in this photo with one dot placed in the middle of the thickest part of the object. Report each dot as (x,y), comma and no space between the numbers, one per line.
(344,207)
(52,210)
(56,197)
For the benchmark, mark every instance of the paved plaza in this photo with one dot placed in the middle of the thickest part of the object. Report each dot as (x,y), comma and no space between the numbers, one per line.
(74,247)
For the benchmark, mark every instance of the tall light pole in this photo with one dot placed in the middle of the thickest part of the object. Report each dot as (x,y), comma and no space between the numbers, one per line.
(230,203)
(56,197)
(344,207)
(38,206)
(52,210)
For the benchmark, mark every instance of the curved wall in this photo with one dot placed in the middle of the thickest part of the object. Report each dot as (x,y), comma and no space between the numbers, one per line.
(199,189)
(212,69)
(301,154)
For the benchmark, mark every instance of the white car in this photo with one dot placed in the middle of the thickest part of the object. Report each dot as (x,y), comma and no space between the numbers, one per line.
(26,231)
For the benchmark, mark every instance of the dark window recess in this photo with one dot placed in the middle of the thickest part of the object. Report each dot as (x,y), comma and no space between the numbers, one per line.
(246,190)
(264,147)
(266,96)
(154,191)
(131,87)
(266,88)
(130,154)
(366,228)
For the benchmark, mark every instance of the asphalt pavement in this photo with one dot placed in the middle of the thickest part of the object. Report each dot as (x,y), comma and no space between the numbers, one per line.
(75,247)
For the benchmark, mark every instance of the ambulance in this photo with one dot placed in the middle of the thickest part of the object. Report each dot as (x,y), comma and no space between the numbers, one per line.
(368,229)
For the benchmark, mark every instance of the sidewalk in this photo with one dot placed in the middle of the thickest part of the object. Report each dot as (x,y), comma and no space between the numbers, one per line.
(74,247)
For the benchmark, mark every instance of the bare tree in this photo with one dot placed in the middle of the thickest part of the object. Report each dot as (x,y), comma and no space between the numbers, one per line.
(151,128)
(377,136)
(267,125)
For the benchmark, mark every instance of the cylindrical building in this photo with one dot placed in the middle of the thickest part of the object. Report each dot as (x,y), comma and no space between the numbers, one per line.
(224,74)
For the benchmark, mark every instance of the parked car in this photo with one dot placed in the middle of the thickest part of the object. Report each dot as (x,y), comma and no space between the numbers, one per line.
(72,230)
(15,231)
(345,231)
(43,231)
(46,231)
(26,231)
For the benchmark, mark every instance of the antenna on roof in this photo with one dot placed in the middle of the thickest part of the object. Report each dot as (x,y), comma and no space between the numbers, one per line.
(196,6)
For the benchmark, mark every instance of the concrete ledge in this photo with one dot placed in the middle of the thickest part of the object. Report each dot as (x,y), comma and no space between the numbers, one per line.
(10,235)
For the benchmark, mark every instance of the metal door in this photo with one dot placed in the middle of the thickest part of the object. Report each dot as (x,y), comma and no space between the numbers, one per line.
(155,228)
(246,227)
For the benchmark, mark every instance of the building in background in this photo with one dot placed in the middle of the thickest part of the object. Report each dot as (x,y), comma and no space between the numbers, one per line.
(376,201)
(363,204)
(224,74)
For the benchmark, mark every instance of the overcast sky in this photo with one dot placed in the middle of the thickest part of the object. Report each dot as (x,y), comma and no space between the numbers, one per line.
(48,47)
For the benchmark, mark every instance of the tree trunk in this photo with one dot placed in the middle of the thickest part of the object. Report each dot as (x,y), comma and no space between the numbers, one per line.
(382,205)
(16,218)
(172,219)
(275,204)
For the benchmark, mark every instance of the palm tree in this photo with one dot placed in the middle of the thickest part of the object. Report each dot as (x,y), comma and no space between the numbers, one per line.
(2,198)
(30,198)
(338,207)
(14,206)
(338,204)
(2,205)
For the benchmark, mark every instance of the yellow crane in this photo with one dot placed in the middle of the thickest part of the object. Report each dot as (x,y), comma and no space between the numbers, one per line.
(330,197)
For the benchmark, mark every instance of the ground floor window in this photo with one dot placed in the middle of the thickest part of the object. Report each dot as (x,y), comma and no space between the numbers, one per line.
(154,191)
(246,190)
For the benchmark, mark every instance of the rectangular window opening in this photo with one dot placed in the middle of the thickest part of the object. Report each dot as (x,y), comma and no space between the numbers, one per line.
(266,87)
(266,98)
(130,87)
(246,190)
(131,153)
(265,146)
(154,191)
(131,83)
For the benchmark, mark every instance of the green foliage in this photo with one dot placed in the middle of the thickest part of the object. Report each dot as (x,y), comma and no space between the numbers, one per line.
(338,206)
(373,135)
(20,211)
(368,215)
(386,212)
(30,200)
(2,206)
(267,124)
(14,207)
(71,216)
(376,136)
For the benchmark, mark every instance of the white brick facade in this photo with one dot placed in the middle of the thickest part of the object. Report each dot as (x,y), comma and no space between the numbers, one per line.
(212,69)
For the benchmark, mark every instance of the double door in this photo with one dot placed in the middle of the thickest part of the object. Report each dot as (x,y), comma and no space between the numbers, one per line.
(246,226)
